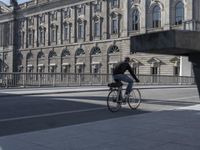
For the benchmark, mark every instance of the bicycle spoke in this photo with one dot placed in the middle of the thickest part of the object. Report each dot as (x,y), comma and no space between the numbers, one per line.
(112,101)
(134,99)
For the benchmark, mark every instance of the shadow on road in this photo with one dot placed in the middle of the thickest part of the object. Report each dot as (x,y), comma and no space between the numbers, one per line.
(32,113)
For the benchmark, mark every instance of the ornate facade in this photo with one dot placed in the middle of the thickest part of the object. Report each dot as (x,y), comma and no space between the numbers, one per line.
(90,36)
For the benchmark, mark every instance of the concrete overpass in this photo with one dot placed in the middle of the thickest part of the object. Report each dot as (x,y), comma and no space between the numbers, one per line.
(172,42)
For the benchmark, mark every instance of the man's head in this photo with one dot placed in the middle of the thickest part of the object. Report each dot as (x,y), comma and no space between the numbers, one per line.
(127,59)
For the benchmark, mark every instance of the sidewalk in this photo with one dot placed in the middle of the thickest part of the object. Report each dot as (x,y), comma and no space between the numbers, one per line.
(54,90)
(165,130)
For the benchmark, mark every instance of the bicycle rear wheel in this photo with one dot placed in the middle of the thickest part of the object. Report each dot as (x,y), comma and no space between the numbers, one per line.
(134,99)
(112,101)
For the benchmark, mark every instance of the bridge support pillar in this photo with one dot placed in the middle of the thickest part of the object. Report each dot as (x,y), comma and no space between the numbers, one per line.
(195,59)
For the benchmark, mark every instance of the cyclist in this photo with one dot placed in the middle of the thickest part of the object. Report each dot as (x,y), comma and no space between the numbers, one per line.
(118,75)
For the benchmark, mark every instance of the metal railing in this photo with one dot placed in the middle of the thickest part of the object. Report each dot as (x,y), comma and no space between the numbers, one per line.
(191,25)
(59,79)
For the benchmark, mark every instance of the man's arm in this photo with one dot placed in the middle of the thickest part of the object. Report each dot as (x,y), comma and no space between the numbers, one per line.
(132,73)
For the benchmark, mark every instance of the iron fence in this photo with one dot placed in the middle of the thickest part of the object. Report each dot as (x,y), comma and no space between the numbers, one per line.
(60,79)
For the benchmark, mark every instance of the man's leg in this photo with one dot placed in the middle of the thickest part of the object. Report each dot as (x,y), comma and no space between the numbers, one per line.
(125,78)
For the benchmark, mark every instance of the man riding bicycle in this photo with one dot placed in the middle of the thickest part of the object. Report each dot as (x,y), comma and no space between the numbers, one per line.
(118,75)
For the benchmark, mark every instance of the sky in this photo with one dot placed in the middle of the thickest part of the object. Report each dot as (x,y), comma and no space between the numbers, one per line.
(19,1)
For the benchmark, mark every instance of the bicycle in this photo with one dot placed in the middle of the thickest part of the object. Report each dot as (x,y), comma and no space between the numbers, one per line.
(115,98)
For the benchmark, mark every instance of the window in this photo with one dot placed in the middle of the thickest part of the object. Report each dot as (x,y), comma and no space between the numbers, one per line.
(42,35)
(154,70)
(41,56)
(113,49)
(134,68)
(22,35)
(53,34)
(156,17)
(114,25)
(67,13)
(65,53)
(114,3)
(179,16)
(80,52)
(54,15)
(96,28)
(135,20)
(52,54)
(31,21)
(66,32)
(97,7)
(80,30)
(42,19)
(30,34)
(96,51)
(176,70)
(80,10)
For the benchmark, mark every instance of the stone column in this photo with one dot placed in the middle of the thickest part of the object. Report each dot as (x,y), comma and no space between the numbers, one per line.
(59,38)
(166,15)
(194,58)
(124,19)
(36,31)
(88,22)
(105,16)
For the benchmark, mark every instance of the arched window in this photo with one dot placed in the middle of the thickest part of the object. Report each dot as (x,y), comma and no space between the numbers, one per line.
(29,56)
(65,53)
(156,17)
(135,20)
(179,16)
(52,54)
(80,52)
(40,55)
(113,49)
(96,51)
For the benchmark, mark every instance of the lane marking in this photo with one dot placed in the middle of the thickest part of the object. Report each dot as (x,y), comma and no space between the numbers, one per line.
(51,114)
(181,98)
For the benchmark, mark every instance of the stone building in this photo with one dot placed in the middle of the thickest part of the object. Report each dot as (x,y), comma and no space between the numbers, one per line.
(90,36)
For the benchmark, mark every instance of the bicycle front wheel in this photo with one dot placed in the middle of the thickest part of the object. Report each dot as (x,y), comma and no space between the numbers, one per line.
(134,99)
(112,101)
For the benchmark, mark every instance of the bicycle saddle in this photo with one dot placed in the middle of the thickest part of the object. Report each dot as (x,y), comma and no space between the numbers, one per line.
(115,84)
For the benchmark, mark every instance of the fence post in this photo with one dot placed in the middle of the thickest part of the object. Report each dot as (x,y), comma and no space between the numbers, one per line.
(40,80)
(23,78)
(54,80)
(6,82)
(79,79)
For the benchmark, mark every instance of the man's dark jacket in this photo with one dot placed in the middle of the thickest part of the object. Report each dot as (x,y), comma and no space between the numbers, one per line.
(122,67)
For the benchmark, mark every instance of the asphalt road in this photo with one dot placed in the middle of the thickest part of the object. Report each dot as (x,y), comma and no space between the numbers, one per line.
(30,113)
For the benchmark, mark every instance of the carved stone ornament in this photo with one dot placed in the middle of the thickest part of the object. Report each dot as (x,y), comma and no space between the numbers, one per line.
(135,2)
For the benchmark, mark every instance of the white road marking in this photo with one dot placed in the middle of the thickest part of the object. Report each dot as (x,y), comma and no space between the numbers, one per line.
(182,98)
(51,114)
(88,101)
(193,107)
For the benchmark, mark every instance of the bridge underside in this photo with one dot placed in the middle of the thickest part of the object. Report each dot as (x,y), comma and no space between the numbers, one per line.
(172,42)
